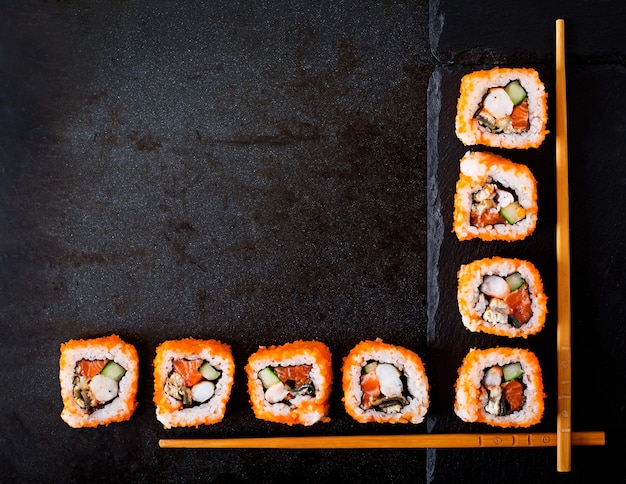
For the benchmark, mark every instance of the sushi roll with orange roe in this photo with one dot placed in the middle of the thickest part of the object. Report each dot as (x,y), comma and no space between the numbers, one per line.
(501,387)
(495,199)
(502,108)
(98,381)
(501,296)
(192,382)
(384,383)
(291,383)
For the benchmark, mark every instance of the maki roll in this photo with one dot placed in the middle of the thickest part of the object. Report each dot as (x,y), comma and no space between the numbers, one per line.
(501,296)
(501,387)
(98,381)
(495,199)
(384,383)
(291,383)
(502,108)
(192,382)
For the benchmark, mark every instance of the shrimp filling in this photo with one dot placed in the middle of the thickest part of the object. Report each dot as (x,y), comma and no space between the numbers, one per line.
(503,389)
(505,300)
(283,383)
(504,109)
(191,382)
(495,204)
(384,387)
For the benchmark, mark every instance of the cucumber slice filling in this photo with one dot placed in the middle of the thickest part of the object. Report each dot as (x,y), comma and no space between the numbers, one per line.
(268,377)
(513,213)
(113,371)
(515,281)
(512,371)
(208,371)
(371,366)
(516,92)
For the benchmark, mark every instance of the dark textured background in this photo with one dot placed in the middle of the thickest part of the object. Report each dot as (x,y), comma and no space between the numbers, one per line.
(255,173)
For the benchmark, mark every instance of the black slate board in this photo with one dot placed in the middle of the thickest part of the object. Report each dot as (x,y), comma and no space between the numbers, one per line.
(513,32)
(448,339)
(596,182)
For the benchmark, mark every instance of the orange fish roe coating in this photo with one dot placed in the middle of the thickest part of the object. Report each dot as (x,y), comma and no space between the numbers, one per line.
(473,88)
(111,348)
(478,169)
(406,362)
(472,307)
(302,409)
(472,397)
(170,411)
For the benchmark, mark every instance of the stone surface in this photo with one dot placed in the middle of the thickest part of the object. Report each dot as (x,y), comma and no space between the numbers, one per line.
(511,32)
(253,173)
(595,172)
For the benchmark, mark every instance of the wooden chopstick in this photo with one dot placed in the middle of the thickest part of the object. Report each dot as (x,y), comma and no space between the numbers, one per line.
(420,441)
(564,350)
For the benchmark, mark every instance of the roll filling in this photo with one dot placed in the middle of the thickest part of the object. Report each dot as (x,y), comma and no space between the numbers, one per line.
(504,109)
(384,387)
(503,389)
(96,383)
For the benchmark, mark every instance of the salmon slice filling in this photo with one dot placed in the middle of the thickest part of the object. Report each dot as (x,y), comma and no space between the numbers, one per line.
(294,376)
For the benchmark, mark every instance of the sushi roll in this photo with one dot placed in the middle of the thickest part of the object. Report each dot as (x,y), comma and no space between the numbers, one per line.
(502,108)
(501,296)
(291,384)
(192,382)
(501,387)
(495,199)
(98,381)
(384,383)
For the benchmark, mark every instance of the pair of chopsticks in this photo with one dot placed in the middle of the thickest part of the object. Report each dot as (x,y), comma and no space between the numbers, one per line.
(419,441)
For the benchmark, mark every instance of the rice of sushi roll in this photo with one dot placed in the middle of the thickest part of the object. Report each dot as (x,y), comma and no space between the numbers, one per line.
(501,387)
(192,382)
(291,384)
(501,296)
(495,199)
(98,381)
(502,108)
(384,383)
